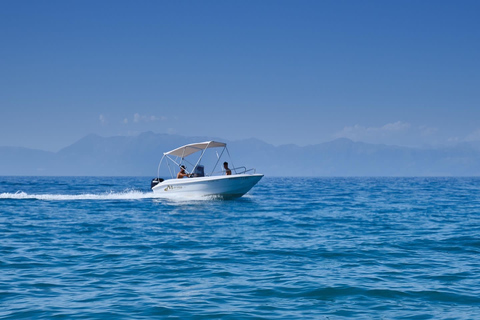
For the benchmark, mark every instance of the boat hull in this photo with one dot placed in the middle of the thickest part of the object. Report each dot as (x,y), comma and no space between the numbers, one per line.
(227,187)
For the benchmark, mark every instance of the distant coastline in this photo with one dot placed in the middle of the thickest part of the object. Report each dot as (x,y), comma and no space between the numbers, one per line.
(138,155)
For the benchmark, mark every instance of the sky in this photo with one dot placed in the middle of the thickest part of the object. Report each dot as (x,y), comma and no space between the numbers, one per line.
(302,72)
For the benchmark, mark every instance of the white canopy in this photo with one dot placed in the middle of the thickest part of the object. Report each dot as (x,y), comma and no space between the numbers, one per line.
(194,147)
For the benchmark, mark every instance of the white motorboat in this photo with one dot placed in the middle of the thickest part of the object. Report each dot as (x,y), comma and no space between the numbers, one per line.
(196,183)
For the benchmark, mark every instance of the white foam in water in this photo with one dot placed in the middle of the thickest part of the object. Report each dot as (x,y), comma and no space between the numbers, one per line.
(126,195)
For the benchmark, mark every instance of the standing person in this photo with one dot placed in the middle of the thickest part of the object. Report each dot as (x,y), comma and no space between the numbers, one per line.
(182,172)
(227,170)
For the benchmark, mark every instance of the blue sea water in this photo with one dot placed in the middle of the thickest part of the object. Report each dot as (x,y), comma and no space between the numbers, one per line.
(292,248)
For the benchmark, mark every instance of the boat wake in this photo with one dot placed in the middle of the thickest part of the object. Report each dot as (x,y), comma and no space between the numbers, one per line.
(125,195)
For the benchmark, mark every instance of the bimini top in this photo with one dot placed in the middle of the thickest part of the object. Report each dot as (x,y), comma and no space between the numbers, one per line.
(194,147)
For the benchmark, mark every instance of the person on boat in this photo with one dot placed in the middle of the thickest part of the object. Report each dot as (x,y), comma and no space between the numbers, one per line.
(182,172)
(227,170)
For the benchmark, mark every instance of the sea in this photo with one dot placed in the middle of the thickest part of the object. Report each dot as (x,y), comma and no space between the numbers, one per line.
(292,248)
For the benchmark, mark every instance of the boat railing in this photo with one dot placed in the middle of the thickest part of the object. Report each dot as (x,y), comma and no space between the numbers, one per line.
(253,169)
(244,170)
(237,170)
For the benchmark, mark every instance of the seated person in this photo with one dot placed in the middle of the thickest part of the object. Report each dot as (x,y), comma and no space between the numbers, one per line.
(227,170)
(182,172)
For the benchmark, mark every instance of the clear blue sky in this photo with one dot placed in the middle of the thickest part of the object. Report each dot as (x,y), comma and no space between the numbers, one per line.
(303,72)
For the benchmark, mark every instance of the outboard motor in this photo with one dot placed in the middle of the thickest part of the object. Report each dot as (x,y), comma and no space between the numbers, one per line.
(155,181)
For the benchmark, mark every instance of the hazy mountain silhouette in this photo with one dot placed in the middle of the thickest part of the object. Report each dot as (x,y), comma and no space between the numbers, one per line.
(139,156)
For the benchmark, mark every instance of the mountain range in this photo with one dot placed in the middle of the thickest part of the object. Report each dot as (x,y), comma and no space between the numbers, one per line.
(139,155)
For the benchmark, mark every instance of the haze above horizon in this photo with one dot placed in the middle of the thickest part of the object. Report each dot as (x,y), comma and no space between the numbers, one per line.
(396,72)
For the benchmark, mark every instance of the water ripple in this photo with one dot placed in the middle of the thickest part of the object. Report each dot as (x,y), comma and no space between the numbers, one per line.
(332,248)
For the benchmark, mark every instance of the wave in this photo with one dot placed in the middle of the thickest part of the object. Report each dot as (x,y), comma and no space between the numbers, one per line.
(125,195)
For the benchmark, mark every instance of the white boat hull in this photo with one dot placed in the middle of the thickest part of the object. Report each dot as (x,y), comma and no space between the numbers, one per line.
(233,186)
